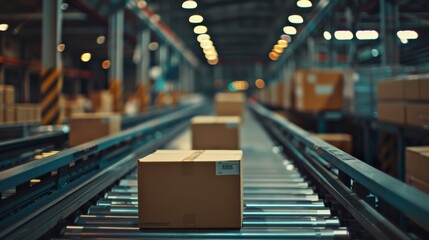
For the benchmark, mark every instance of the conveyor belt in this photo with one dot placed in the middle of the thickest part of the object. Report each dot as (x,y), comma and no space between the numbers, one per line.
(279,203)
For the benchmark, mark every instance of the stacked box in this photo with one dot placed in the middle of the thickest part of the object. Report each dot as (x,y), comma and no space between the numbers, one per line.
(229,104)
(317,91)
(339,140)
(85,127)
(404,101)
(416,166)
(215,132)
(191,189)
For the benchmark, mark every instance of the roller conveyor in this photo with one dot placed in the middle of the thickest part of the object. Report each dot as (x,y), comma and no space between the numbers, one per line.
(279,203)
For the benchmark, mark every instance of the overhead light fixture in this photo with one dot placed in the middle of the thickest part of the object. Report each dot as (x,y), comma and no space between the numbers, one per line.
(285,37)
(203,37)
(196,19)
(343,35)
(200,29)
(153,46)
(101,39)
(375,53)
(282,43)
(155,18)
(142,4)
(213,62)
(366,34)
(289,30)
(407,34)
(189,4)
(327,35)
(211,57)
(304,4)
(85,57)
(260,83)
(61,47)
(278,49)
(105,64)
(297,19)
(273,56)
(4,27)
(404,40)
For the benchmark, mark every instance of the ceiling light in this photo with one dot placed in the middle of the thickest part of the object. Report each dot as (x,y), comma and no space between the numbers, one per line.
(213,62)
(259,83)
(105,64)
(101,39)
(142,4)
(273,56)
(327,35)
(282,43)
(366,34)
(404,40)
(209,49)
(289,30)
(196,19)
(153,46)
(61,47)
(295,19)
(304,4)
(375,53)
(407,34)
(85,57)
(155,18)
(203,37)
(343,35)
(189,4)
(278,49)
(211,57)
(206,44)
(4,27)
(285,37)
(200,29)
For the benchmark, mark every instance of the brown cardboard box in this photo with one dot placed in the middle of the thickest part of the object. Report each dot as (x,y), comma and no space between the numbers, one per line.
(2,113)
(229,104)
(38,113)
(418,114)
(390,90)
(418,183)
(85,127)
(9,113)
(412,89)
(20,113)
(191,189)
(318,90)
(392,112)
(102,101)
(279,94)
(216,132)
(417,162)
(424,89)
(288,93)
(7,94)
(339,140)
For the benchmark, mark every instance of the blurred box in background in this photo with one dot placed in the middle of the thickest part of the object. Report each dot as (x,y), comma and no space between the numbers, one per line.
(215,132)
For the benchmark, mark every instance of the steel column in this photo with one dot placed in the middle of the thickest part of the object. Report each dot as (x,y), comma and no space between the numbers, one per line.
(143,65)
(51,79)
(116,56)
(389,25)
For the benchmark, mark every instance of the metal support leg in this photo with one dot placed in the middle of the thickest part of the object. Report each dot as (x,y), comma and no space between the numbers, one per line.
(389,17)
(143,65)
(116,55)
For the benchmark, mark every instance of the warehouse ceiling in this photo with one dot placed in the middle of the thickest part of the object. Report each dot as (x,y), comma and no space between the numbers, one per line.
(243,32)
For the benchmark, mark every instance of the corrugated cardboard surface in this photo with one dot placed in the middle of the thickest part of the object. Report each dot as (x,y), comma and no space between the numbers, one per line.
(417,162)
(424,89)
(411,89)
(338,140)
(102,101)
(215,132)
(181,189)
(318,90)
(85,127)
(418,114)
(9,113)
(390,90)
(392,112)
(7,94)
(229,104)
(418,183)
(20,113)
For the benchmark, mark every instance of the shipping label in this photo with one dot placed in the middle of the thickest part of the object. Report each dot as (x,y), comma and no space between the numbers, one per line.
(228,168)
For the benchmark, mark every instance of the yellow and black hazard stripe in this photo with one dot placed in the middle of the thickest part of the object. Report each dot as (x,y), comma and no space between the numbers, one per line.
(50,96)
(115,87)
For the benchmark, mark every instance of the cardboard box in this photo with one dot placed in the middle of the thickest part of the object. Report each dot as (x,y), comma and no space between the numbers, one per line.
(7,95)
(2,113)
(20,113)
(191,189)
(102,101)
(418,114)
(288,101)
(215,132)
(424,89)
(418,183)
(411,89)
(318,90)
(391,90)
(85,127)
(417,162)
(229,104)
(392,112)
(339,140)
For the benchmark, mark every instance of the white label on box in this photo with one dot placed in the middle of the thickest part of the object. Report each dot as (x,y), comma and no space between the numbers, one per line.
(311,78)
(228,168)
(324,89)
